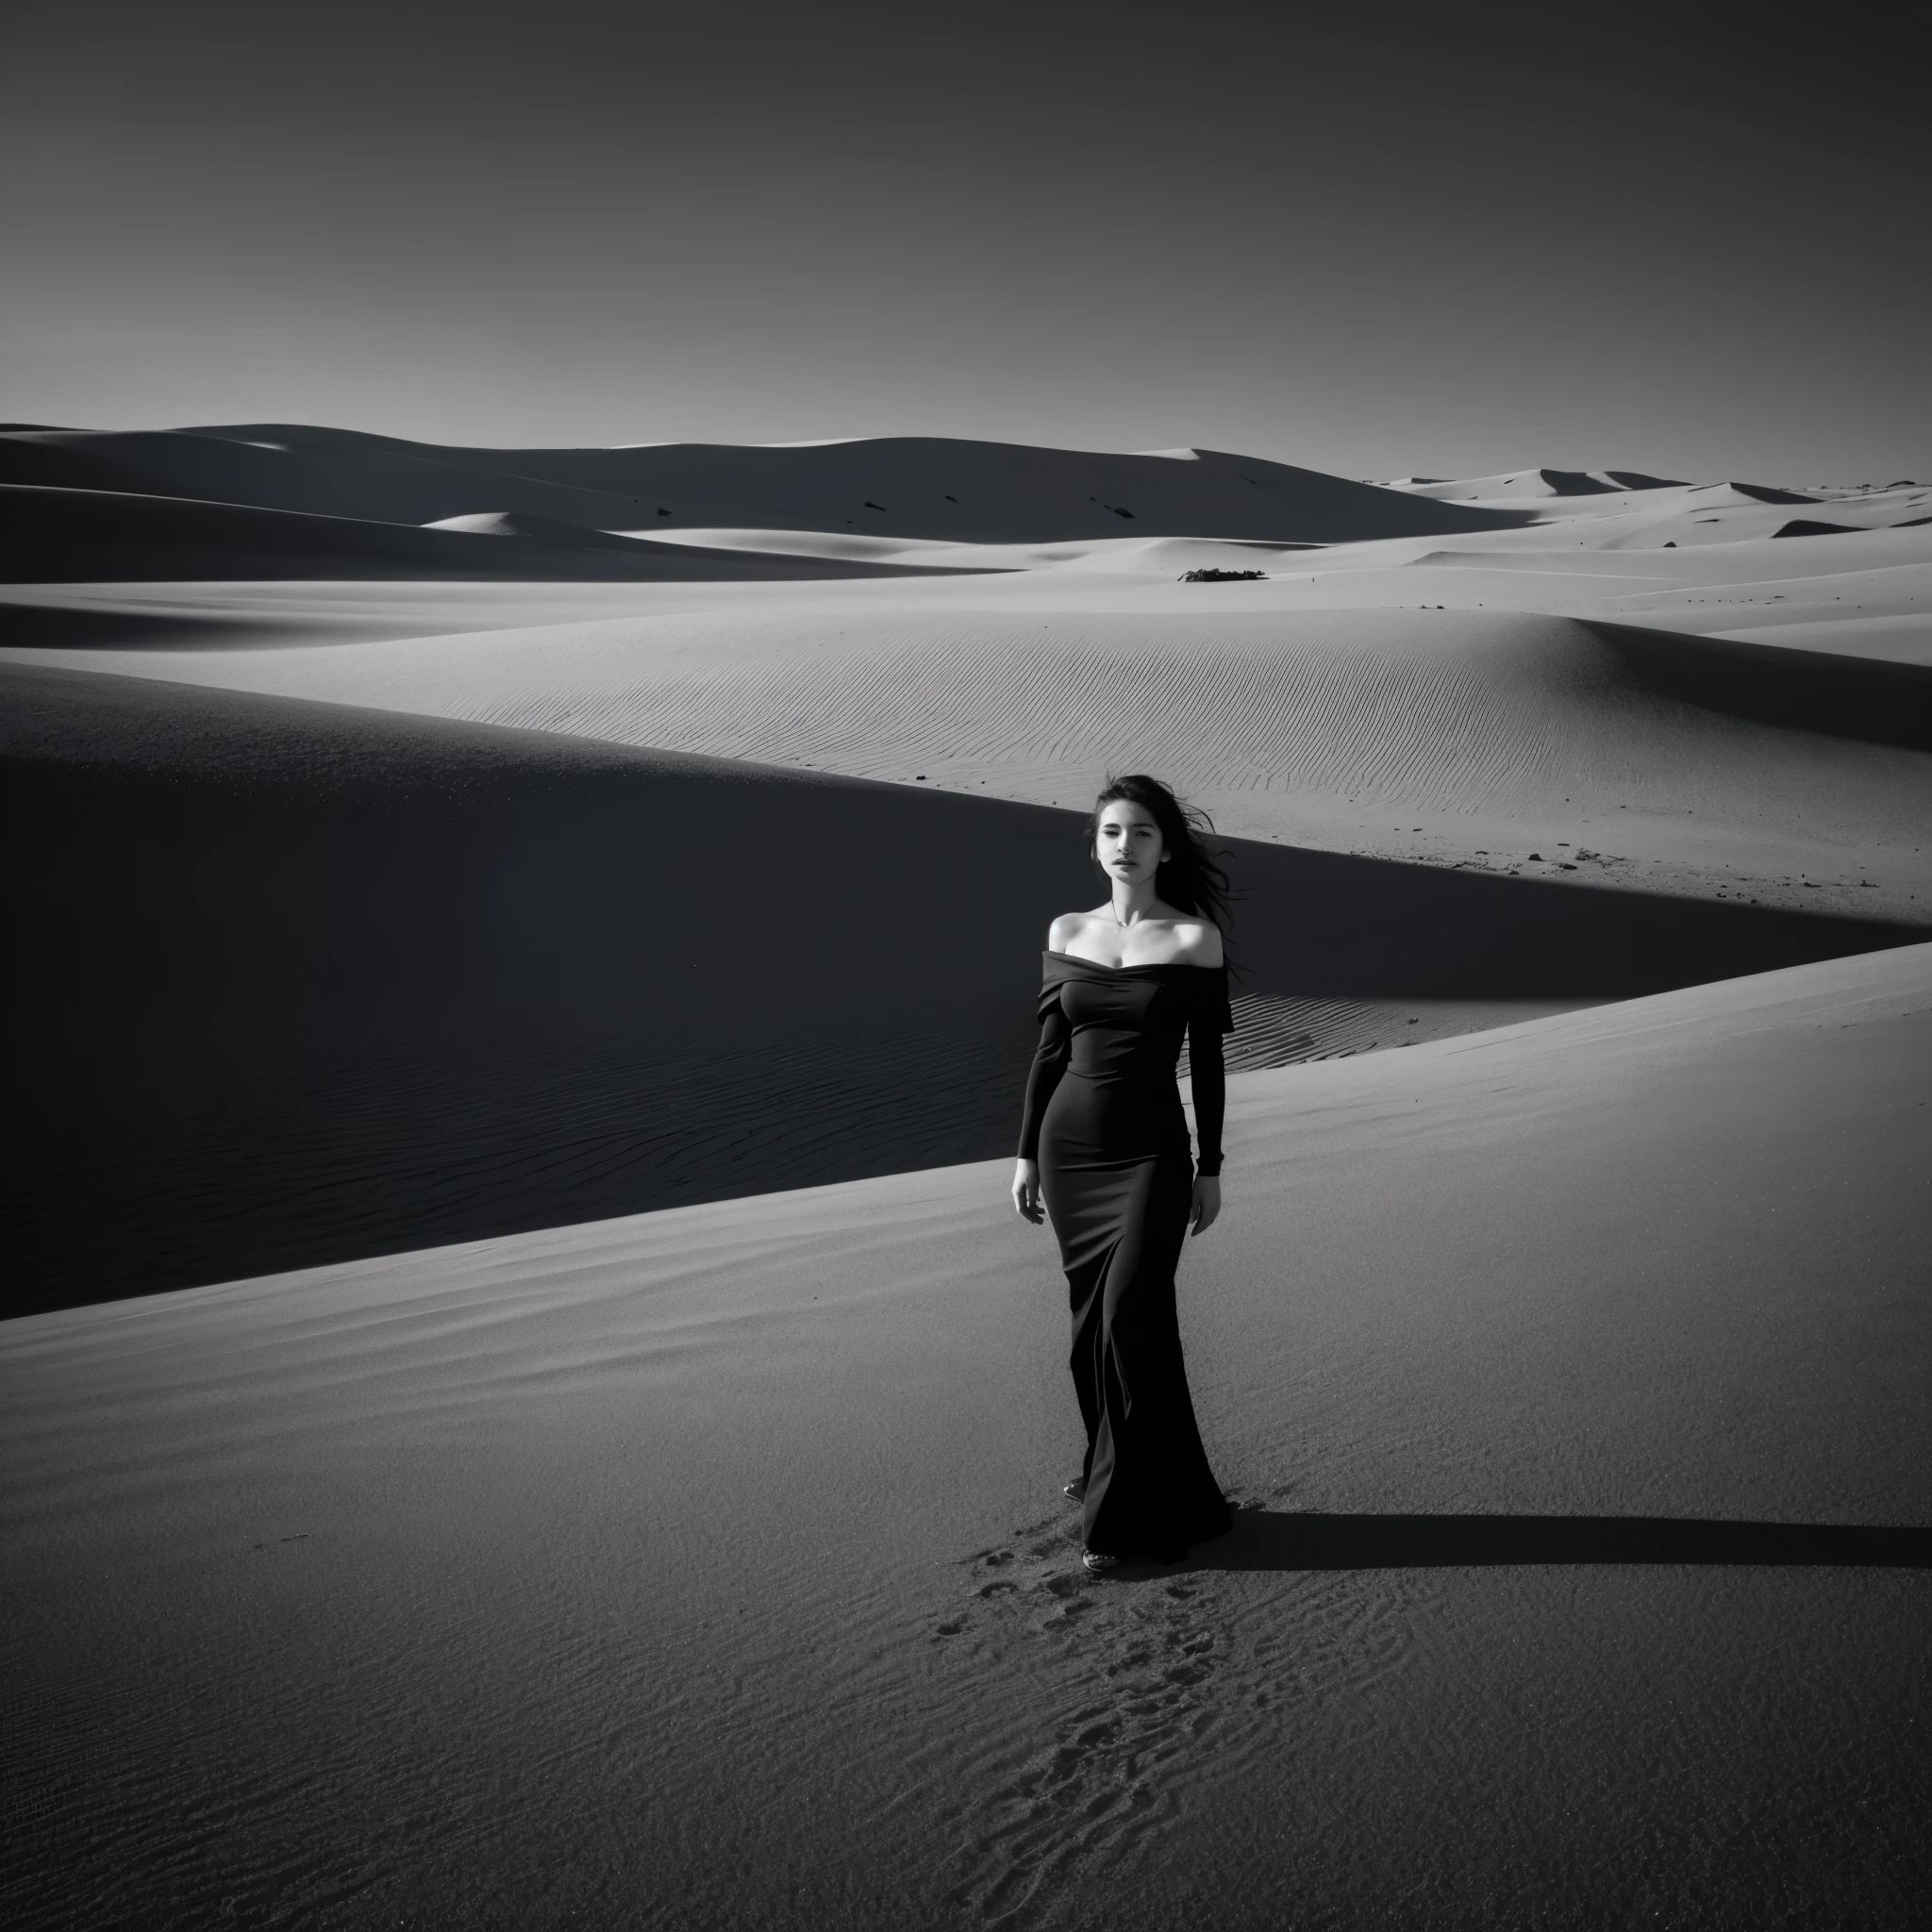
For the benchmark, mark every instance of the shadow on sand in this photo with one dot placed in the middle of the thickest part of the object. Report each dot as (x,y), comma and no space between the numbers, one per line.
(1880,702)
(1280,1540)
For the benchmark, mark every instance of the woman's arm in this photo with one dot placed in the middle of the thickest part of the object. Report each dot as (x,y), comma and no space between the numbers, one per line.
(1049,1064)
(1208,1070)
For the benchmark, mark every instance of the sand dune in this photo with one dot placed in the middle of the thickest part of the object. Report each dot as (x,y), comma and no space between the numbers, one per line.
(1411,698)
(237,613)
(52,535)
(1649,514)
(1582,1552)
(931,487)
(300,982)
(1525,485)
(1633,548)
(1466,739)
(1839,588)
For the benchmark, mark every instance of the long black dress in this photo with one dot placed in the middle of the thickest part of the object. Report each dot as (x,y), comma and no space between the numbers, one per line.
(1104,1120)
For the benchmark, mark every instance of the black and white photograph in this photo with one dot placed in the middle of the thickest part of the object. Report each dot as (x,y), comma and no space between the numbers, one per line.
(968,969)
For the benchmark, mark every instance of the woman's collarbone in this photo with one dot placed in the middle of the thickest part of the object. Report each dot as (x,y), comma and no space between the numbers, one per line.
(1090,943)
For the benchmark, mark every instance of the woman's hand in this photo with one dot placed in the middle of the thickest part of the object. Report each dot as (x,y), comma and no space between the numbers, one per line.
(1206,1202)
(1026,1191)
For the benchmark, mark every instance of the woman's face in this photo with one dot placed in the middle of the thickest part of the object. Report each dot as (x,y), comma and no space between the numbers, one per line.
(1128,843)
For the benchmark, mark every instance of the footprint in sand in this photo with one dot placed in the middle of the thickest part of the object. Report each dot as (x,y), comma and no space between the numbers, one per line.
(1140,1668)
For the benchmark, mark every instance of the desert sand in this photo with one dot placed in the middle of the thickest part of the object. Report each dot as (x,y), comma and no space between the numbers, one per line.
(524,1400)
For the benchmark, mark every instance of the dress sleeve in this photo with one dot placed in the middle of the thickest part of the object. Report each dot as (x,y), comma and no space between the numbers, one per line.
(1212,1017)
(1049,1064)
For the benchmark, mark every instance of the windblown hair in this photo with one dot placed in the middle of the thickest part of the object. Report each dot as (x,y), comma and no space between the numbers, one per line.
(1189,877)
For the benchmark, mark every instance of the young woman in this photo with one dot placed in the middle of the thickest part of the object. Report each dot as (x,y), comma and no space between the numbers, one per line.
(1103,1147)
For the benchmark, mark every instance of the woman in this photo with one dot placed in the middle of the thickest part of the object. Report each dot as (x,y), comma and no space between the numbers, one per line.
(1103,1145)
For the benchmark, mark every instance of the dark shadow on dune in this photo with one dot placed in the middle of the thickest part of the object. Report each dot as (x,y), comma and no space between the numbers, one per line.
(1869,698)
(1810,526)
(1277,1539)
(1333,925)
(50,534)
(1764,494)
(291,983)
(69,627)
(1576,483)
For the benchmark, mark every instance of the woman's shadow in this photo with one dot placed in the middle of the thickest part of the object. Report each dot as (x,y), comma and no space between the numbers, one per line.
(1282,1539)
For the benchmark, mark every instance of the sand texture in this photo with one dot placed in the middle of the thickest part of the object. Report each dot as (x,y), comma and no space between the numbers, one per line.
(707,1568)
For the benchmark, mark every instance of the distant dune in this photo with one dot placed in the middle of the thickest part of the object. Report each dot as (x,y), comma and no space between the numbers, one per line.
(65,535)
(935,488)
(1518,484)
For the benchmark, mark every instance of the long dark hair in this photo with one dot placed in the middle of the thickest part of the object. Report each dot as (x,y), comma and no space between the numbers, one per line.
(1189,877)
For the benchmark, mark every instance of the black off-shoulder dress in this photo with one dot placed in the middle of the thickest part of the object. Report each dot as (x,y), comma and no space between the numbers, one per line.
(1104,1120)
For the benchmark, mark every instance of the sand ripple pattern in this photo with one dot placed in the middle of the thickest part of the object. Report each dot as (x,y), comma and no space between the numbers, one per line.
(1143,1678)
(1288,716)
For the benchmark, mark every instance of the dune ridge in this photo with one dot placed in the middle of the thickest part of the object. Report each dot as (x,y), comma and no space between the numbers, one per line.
(1519,484)
(931,487)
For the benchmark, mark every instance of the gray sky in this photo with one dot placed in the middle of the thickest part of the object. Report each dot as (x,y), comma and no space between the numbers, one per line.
(1371,239)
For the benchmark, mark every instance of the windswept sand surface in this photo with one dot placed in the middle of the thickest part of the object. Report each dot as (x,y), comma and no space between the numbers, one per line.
(706,1568)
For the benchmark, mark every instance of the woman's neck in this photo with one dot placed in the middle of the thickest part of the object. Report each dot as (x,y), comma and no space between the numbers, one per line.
(1132,903)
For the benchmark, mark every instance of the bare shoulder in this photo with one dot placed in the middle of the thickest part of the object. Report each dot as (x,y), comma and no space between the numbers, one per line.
(1065,929)
(1198,942)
